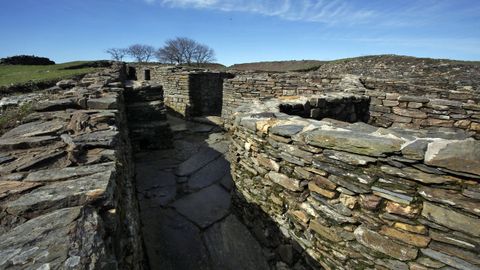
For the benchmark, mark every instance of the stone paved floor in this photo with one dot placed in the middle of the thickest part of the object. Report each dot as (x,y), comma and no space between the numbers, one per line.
(184,196)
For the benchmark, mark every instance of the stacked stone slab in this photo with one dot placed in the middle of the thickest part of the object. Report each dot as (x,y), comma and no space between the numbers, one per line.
(355,196)
(405,92)
(147,117)
(188,92)
(67,197)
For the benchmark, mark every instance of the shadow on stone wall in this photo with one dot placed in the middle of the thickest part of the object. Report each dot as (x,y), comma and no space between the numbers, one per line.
(283,253)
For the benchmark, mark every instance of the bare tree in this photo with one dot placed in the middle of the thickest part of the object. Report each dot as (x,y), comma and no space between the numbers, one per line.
(117,54)
(203,54)
(141,52)
(183,50)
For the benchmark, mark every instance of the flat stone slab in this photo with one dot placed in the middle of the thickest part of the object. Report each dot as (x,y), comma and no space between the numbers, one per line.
(231,246)
(26,143)
(149,177)
(105,138)
(204,207)
(197,161)
(102,103)
(37,128)
(210,174)
(8,188)
(60,194)
(172,242)
(354,142)
(462,156)
(48,241)
(52,175)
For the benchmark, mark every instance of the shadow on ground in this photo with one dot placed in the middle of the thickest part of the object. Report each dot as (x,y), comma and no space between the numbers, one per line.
(188,221)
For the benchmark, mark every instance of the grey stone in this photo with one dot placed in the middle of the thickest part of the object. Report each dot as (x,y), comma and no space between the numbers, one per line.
(393,196)
(210,174)
(102,103)
(49,241)
(415,150)
(197,161)
(105,138)
(450,197)
(286,130)
(204,207)
(63,194)
(449,260)
(52,175)
(56,105)
(417,175)
(231,246)
(352,159)
(172,242)
(463,156)
(353,142)
(349,184)
(451,219)
(375,241)
(38,128)
(27,142)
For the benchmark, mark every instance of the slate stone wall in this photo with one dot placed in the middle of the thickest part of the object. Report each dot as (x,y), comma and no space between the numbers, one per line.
(403,102)
(188,92)
(147,119)
(67,197)
(355,196)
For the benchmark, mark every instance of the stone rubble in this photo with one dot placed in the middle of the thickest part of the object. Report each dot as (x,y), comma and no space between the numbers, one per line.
(66,182)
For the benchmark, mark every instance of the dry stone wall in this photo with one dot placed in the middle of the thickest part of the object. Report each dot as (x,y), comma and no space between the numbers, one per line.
(147,119)
(405,92)
(188,92)
(355,196)
(67,197)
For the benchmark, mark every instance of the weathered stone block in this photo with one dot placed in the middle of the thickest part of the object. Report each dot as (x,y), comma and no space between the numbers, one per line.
(377,242)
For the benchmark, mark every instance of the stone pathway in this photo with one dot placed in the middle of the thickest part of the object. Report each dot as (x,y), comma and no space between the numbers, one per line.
(184,196)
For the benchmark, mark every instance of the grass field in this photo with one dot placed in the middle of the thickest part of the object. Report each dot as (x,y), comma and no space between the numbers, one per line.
(19,74)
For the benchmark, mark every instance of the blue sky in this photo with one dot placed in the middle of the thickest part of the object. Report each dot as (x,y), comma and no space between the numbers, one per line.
(244,30)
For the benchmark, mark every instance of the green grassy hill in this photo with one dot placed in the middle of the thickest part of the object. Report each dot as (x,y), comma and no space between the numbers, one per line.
(20,74)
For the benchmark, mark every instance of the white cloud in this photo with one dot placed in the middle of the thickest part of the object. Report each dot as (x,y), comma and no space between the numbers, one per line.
(326,11)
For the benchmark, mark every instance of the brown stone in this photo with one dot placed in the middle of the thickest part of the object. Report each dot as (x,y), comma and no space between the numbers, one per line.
(324,231)
(409,238)
(348,201)
(410,113)
(8,188)
(285,181)
(300,215)
(268,163)
(370,202)
(380,243)
(400,209)
(324,182)
(324,192)
(411,228)
(414,105)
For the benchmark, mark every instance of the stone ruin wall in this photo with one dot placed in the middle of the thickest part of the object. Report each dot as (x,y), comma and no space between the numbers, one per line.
(360,196)
(187,92)
(417,103)
(355,196)
(67,197)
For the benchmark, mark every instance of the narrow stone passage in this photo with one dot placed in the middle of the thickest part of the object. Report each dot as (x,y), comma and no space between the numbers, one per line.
(184,196)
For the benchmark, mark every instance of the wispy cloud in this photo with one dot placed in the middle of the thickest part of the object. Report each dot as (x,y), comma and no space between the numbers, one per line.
(325,11)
